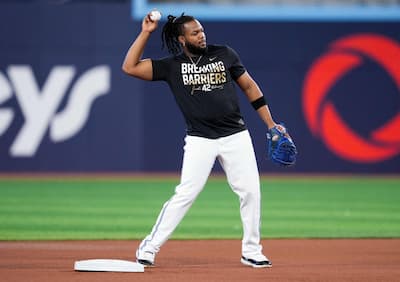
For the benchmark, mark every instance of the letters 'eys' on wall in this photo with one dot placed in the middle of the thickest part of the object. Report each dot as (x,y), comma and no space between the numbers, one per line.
(39,106)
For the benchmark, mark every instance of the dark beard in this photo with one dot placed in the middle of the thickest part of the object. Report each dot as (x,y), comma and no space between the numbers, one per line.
(195,50)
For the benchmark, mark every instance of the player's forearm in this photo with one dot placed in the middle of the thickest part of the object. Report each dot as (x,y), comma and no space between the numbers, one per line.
(253,93)
(266,116)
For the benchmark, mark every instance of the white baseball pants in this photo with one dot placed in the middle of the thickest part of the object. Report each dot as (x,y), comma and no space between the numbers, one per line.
(236,156)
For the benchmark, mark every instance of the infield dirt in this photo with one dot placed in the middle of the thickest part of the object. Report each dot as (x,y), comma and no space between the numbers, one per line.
(207,260)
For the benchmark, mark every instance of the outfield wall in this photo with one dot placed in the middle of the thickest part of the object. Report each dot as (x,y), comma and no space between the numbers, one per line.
(65,104)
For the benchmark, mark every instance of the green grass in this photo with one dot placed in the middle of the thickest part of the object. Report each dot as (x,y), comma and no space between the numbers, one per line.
(127,208)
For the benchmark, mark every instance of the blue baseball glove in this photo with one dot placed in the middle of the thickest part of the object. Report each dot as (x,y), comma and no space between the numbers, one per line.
(280,146)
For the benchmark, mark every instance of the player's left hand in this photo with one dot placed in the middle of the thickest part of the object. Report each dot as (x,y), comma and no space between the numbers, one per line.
(280,146)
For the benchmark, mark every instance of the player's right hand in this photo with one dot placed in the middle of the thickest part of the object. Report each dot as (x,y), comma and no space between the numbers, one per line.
(148,24)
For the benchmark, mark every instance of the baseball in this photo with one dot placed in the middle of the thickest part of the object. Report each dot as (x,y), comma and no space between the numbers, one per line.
(155,16)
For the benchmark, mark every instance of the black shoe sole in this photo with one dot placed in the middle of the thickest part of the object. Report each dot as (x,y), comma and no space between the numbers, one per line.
(146,263)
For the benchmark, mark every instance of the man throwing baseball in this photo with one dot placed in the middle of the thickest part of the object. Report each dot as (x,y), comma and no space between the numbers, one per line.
(202,79)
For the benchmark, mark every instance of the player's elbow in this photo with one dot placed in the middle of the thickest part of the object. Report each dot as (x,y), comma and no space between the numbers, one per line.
(132,71)
(128,69)
(142,70)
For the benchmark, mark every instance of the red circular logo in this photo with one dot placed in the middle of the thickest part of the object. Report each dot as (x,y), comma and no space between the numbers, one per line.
(321,115)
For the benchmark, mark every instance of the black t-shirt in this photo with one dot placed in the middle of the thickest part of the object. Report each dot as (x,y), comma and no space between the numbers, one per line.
(204,89)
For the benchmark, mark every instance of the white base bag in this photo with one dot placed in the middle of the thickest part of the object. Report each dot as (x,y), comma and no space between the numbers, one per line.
(112,265)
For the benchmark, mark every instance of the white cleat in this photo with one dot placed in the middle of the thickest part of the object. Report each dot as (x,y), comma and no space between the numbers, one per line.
(256,263)
(145,258)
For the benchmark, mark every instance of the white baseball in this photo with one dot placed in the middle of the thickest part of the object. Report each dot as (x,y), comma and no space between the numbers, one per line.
(155,16)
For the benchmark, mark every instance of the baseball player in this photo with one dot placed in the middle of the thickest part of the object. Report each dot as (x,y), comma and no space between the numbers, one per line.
(202,79)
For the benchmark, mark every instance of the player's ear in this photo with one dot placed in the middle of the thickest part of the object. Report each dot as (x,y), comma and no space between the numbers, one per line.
(182,40)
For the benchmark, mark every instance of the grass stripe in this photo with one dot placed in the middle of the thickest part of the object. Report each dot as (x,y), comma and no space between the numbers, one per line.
(59,209)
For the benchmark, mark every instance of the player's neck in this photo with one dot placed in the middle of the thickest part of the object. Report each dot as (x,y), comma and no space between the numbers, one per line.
(195,53)
(190,55)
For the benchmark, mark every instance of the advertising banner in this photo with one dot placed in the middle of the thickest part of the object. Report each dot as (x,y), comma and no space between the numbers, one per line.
(66,105)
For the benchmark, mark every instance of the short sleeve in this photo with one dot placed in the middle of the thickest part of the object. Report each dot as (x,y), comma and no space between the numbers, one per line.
(160,69)
(236,69)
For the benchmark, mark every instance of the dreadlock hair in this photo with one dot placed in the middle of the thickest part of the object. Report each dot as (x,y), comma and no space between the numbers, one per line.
(172,29)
